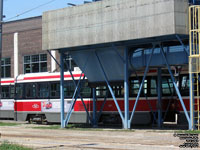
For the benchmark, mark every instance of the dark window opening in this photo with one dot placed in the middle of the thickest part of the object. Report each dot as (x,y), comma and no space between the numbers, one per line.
(5,68)
(35,63)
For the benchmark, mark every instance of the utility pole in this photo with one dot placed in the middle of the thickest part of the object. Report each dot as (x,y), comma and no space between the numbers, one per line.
(1,26)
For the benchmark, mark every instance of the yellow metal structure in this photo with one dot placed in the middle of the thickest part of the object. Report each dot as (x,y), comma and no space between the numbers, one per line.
(194,63)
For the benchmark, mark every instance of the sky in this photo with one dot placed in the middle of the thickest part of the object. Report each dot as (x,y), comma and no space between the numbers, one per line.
(12,8)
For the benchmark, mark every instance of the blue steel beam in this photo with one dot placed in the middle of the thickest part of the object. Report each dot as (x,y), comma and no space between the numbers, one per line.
(126,90)
(54,58)
(74,98)
(168,106)
(102,106)
(70,71)
(86,111)
(94,107)
(62,103)
(150,107)
(110,89)
(159,89)
(192,126)
(79,94)
(141,86)
(184,47)
(116,50)
(176,88)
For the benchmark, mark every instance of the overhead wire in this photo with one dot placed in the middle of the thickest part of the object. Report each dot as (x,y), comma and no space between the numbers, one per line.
(27,11)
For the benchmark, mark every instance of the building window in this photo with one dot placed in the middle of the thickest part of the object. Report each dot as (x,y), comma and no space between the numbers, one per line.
(35,63)
(70,63)
(5,68)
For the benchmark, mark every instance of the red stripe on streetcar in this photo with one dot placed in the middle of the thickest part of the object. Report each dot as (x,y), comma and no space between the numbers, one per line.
(142,105)
(9,81)
(27,106)
(51,77)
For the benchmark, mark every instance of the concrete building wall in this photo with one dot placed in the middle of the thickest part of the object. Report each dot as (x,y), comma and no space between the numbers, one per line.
(112,21)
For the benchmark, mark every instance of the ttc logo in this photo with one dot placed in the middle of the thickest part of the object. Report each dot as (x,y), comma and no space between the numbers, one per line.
(35,106)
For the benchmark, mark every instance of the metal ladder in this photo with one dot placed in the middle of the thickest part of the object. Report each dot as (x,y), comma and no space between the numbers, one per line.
(194,63)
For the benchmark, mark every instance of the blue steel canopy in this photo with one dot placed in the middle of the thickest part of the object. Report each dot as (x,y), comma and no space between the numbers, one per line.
(112,61)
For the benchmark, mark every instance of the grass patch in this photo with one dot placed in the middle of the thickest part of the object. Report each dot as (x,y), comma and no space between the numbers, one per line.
(8,124)
(47,127)
(188,131)
(9,146)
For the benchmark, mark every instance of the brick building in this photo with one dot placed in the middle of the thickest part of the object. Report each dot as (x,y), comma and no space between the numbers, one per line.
(22,49)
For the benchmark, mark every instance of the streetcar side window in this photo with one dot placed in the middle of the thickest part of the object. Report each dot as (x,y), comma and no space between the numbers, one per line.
(153,88)
(12,91)
(134,86)
(86,91)
(145,87)
(185,85)
(55,90)
(101,91)
(5,92)
(31,90)
(167,86)
(43,90)
(19,91)
(118,91)
(69,89)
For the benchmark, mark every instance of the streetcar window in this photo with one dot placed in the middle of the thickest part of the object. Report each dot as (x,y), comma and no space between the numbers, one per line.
(185,85)
(153,87)
(43,90)
(55,90)
(118,91)
(69,89)
(31,90)
(145,87)
(5,92)
(86,90)
(101,91)
(134,87)
(19,91)
(12,91)
(167,86)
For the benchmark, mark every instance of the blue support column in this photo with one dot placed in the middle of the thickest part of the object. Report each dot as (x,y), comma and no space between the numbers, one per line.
(176,88)
(141,85)
(126,91)
(94,107)
(191,125)
(159,90)
(62,100)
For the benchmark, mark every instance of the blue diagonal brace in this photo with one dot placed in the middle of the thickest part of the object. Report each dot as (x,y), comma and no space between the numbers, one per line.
(74,98)
(70,71)
(54,58)
(116,50)
(184,47)
(102,106)
(110,89)
(175,86)
(141,85)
